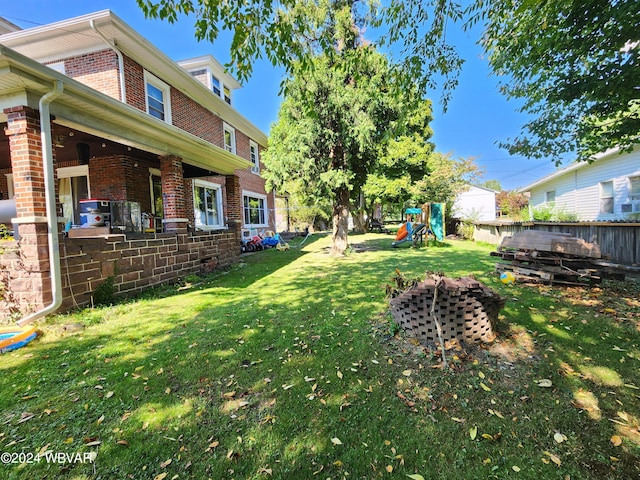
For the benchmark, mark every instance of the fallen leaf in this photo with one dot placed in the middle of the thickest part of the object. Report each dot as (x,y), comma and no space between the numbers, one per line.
(416,476)
(108,395)
(167,391)
(481,375)
(69,440)
(165,463)
(122,442)
(515,468)
(406,373)
(473,432)
(389,468)
(545,383)
(160,476)
(229,394)
(336,441)
(558,437)
(616,441)
(554,458)
(339,373)
(100,420)
(484,387)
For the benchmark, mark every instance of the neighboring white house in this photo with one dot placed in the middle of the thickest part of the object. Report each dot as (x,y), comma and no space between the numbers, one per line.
(477,203)
(608,188)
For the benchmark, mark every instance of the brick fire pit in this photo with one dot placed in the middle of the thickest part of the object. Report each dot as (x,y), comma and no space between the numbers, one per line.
(466,309)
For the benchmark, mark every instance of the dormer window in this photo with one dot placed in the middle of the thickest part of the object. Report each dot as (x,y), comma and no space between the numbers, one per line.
(215,85)
(227,95)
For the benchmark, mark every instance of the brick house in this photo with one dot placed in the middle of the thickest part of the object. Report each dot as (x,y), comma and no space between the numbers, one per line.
(92,111)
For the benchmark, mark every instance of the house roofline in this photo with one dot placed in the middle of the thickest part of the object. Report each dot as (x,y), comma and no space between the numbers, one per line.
(137,47)
(576,165)
(104,115)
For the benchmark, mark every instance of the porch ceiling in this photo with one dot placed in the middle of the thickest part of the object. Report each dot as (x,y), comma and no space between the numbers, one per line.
(23,81)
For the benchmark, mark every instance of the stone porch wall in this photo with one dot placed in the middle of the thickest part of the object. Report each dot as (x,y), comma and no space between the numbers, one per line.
(136,262)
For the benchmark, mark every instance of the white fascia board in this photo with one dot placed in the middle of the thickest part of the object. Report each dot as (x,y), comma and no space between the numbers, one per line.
(140,50)
(551,176)
(156,135)
(209,61)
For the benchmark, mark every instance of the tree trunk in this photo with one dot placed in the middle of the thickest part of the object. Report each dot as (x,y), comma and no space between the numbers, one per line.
(340,222)
(360,224)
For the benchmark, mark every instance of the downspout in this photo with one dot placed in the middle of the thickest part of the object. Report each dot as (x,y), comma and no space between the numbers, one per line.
(50,198)
(112,46)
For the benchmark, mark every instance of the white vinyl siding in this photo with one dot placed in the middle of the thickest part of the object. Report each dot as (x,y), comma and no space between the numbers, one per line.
(578,191)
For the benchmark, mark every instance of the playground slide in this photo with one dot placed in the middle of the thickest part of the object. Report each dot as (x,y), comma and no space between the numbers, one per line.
(12,338)
(402,232)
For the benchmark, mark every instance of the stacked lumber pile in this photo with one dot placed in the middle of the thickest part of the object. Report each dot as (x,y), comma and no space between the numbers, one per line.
(552,257)
(465,308)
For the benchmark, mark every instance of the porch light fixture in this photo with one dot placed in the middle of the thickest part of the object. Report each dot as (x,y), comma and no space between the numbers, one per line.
(59,142)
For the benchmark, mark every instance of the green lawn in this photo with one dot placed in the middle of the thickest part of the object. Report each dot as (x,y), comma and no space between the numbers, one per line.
(284,368)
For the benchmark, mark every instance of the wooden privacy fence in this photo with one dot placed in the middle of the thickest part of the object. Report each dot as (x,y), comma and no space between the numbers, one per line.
(619,242)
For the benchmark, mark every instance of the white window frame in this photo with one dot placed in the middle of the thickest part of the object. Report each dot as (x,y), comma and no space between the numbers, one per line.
(232,131)
(149,78)
(153,172)
(254,157)
(72,172)
(10,188)
(226,94)
(548,195)
(256,196)
(631,179)
(609,197)
(197,183)
(215,87)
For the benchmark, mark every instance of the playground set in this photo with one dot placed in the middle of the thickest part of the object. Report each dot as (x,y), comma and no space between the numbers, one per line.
(426,220)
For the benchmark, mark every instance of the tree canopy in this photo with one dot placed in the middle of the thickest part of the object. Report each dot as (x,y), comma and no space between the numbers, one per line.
(573,63)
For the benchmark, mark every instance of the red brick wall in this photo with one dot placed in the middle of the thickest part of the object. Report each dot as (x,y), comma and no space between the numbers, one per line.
(98,70)
(121,177)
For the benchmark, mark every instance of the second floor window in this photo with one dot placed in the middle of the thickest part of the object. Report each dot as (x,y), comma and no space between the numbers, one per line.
(157,98)
(255,159)
(229,138)
(227,95)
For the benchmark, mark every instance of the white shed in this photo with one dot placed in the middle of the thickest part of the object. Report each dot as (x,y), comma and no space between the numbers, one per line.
(476,203)
(608,188)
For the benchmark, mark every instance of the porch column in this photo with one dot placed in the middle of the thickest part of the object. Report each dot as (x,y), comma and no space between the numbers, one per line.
(32,285)
(175,213)
(234,204)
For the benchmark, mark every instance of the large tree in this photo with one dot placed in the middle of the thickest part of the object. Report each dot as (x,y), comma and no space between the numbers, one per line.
(573,63)
(333,123)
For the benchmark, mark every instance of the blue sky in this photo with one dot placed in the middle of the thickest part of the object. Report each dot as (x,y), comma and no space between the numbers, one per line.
(477,117)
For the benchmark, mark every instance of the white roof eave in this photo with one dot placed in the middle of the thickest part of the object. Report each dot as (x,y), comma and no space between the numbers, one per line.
(113,118)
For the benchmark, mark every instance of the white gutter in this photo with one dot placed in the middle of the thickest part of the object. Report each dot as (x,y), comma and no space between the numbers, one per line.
(50,197)
(123,90)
